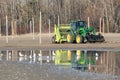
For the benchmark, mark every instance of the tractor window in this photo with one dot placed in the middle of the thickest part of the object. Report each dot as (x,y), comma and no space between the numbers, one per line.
(73,25)
(80,24)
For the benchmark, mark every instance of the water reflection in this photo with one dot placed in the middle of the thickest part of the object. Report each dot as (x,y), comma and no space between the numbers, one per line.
(78,59)
(92,61)
(33,56)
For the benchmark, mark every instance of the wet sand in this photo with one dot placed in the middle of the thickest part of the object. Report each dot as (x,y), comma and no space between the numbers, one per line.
(23,71)
(112,41)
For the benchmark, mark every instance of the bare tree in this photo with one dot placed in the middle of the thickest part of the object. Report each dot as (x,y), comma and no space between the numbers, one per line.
(22,12)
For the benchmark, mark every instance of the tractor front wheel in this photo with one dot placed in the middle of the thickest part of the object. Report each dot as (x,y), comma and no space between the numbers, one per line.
(79,39)
(69,38)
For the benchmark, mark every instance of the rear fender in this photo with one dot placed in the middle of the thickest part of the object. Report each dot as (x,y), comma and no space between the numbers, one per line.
(82,32)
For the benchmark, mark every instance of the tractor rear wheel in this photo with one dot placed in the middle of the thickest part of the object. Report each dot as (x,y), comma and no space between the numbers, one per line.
(69,38)
(79,39)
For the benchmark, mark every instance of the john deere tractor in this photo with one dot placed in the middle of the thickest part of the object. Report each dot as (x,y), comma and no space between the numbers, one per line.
(77,32)
(80,33)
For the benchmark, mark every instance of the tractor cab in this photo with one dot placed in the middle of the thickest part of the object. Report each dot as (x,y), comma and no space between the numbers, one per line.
(77,25)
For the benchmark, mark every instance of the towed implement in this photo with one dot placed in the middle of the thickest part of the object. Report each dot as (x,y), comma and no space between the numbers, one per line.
(76,32)
(60,33)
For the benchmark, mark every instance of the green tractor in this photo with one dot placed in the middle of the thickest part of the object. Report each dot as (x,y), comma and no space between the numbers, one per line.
(80,33)
(76,31)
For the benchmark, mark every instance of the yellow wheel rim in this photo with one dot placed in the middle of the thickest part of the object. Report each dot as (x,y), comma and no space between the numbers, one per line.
(68,37)
(78,40)
(69,55)
(78,52)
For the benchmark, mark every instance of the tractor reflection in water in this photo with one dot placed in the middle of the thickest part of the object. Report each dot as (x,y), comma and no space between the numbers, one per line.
(80,60)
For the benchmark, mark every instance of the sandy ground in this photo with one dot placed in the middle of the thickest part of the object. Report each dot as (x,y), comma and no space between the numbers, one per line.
(21,71)
(112,41)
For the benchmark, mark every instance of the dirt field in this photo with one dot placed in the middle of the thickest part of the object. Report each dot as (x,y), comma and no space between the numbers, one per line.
(112,41)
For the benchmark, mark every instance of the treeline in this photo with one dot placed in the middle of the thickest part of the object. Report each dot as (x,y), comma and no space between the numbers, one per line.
(21,12)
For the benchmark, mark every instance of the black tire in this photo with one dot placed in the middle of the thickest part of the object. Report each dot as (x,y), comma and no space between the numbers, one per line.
(101,39)
(69,38)
(79,39)
(91,38)
(53,39)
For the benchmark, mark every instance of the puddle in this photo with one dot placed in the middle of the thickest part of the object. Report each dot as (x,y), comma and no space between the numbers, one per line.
(95,62)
